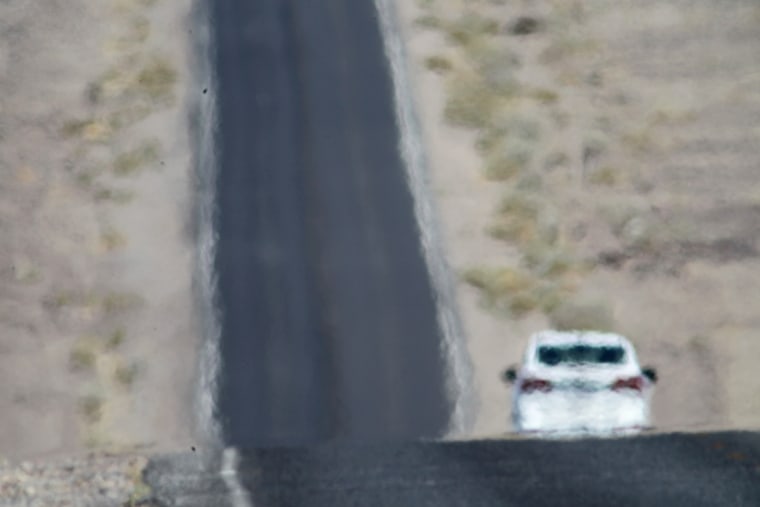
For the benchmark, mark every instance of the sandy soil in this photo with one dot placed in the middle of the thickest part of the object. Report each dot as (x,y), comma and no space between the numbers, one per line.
(97,332)
(639,127)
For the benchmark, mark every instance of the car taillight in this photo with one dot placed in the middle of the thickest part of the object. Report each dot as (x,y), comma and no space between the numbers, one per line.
(634,383)
(534,384)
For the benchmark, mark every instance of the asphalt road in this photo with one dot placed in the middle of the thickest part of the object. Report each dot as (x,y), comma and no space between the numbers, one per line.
(669,470)
(328,318)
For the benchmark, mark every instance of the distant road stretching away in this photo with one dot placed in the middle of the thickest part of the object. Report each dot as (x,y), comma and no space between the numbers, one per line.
(328,317)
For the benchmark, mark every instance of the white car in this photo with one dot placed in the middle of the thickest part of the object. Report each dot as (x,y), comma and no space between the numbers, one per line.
(580,383)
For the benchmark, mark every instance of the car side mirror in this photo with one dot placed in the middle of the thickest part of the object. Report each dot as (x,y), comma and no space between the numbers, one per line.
(650,373)
(509,375)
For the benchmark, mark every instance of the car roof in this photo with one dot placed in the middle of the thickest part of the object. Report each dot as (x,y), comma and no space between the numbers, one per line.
(552,337)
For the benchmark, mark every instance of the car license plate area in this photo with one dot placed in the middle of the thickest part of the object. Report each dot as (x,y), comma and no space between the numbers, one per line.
(581,386)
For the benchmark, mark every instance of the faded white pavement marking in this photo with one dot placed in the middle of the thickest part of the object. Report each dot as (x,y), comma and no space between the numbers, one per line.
(203,112)
(459,377)
(238,494)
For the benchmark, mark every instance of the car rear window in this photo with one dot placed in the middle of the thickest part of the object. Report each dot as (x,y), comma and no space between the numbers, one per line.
(581,354)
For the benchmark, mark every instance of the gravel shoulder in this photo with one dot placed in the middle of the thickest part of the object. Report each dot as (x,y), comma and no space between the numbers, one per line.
(94,479)
(594,164)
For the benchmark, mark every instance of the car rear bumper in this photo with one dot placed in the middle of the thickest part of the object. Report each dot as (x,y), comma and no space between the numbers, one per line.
(563,413)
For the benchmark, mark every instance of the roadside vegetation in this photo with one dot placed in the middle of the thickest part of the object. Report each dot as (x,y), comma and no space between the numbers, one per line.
(532,141)
(99,359)
(107,154)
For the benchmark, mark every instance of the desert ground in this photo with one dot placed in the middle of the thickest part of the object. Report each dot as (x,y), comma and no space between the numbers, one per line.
(595,165)
(97,325)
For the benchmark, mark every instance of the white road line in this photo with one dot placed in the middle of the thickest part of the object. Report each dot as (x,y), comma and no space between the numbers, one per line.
(459,377)
(228,472)
(203,114)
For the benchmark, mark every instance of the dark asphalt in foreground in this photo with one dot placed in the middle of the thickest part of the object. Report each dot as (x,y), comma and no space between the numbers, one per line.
(673,470)
(669,470)
(329,328)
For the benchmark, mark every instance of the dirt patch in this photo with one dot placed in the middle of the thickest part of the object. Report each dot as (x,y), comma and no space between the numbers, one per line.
(97,334)
(593,171)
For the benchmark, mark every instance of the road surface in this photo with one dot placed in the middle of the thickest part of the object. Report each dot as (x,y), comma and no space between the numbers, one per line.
(328,317)
(670,470)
